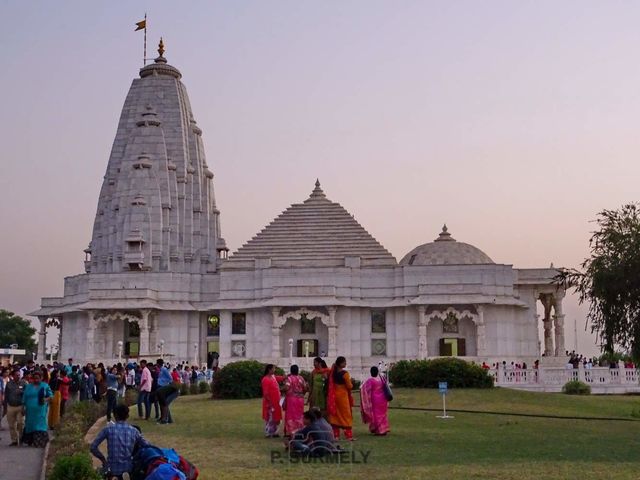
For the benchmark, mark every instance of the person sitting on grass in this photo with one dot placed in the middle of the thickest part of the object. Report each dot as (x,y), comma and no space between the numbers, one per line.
(314,439)
(122,439)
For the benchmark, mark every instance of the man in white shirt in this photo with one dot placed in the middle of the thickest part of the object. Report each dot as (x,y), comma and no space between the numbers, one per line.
(144,391)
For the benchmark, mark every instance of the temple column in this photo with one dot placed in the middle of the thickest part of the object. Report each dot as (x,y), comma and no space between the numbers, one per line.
(332,327)
(481,332)
(422,333)
(547,302)
(276,349)
(225,334)
(558,319)
(91,336)
(42,340)
(144,324)
(59,352)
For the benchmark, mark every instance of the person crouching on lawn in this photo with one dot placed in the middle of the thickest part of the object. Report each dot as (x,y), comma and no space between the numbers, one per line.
(122,439)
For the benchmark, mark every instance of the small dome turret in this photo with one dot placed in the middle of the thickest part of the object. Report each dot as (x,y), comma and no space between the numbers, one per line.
(445,250)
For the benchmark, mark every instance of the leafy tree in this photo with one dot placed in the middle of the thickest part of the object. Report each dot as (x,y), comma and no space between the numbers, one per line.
(609,280)
(15,329)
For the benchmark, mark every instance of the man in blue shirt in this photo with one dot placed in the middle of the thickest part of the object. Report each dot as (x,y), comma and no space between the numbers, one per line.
(164,377)
(122,439)
(166,393)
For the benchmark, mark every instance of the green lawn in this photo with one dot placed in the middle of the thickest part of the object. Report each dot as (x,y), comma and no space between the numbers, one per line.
(225,439)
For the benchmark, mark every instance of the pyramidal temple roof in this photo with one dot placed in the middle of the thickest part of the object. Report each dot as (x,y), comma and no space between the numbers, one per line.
(317,232)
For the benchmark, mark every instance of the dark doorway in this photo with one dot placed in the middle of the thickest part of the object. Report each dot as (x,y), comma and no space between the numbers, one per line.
(452,347)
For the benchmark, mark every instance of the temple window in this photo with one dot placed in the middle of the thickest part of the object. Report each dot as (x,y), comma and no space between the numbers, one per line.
(378,321)
(307,325)
(450,323)
(238,323)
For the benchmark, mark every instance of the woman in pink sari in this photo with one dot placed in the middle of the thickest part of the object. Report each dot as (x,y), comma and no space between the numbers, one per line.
(374,404)
(295,387)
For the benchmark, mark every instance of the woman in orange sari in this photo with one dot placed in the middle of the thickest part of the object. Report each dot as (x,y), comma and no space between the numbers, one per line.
(295,387)
(271,410)
(340,400)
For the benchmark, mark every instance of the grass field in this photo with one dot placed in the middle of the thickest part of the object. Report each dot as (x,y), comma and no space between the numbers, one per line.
(224,439)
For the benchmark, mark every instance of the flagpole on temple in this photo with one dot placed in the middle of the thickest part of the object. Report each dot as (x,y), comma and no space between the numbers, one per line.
(144,58)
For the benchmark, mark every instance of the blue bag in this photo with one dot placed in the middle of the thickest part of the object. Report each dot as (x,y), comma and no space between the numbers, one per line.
(166,471)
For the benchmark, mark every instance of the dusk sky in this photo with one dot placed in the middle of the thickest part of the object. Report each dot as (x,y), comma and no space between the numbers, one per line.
(512,122)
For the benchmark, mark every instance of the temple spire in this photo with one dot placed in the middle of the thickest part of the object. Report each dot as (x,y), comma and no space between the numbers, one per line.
(161,48)
(317,192)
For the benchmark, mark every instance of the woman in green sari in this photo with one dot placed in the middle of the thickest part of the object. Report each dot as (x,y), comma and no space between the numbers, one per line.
(318,394)
(35,399)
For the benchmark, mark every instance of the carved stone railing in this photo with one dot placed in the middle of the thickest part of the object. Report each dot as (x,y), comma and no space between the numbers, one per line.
(558,376)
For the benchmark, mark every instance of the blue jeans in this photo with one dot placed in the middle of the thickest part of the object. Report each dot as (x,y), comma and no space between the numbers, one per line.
(170,399)
(143,399)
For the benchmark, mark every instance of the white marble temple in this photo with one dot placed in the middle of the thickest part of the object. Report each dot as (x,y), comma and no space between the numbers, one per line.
(158,281)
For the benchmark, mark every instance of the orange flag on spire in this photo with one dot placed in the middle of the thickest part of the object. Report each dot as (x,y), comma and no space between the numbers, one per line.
(141,24)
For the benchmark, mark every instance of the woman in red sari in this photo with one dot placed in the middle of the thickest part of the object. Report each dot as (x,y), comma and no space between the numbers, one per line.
(374,404)
(271,410)
(340,400)
(295,387)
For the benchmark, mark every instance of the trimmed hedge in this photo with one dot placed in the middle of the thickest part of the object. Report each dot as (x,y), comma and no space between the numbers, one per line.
(427,373)
(75,467)
(575,387)
(68,449)
(240,380)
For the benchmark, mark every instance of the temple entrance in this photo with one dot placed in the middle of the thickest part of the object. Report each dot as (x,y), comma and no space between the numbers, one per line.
(452,347)
(132,339)
(313,346)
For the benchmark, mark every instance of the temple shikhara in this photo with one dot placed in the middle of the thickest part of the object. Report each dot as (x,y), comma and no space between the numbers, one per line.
(159,279)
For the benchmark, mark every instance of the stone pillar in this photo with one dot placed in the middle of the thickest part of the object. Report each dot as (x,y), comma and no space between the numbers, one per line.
(59,352)
(547,302)
(144,324)
(481,332)
(42,340)
(558,318)
(225,335)
(423,351)
(332,326)
(91,335)
(276,349)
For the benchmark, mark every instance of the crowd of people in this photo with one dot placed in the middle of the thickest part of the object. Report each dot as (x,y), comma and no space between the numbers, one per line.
(34,397)
(318,412)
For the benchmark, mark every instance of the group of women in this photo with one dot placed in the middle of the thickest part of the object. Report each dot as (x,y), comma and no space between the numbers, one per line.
(330,391)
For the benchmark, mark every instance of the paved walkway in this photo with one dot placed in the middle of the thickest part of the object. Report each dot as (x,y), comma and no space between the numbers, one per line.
(19,463)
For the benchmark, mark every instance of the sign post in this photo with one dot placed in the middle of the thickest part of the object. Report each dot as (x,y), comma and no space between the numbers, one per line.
(442,388)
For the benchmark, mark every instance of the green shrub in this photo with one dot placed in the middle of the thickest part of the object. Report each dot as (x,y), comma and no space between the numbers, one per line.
(428,373)
(239,380)
(75,467)
(575,387)
(203,387)
(193,389)
(306,375)
(356,384)
(184,389)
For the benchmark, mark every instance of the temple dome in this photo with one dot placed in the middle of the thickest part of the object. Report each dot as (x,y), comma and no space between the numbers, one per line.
(445,250)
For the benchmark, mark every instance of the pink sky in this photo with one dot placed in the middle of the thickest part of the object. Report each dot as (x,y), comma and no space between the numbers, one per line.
(513,122)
